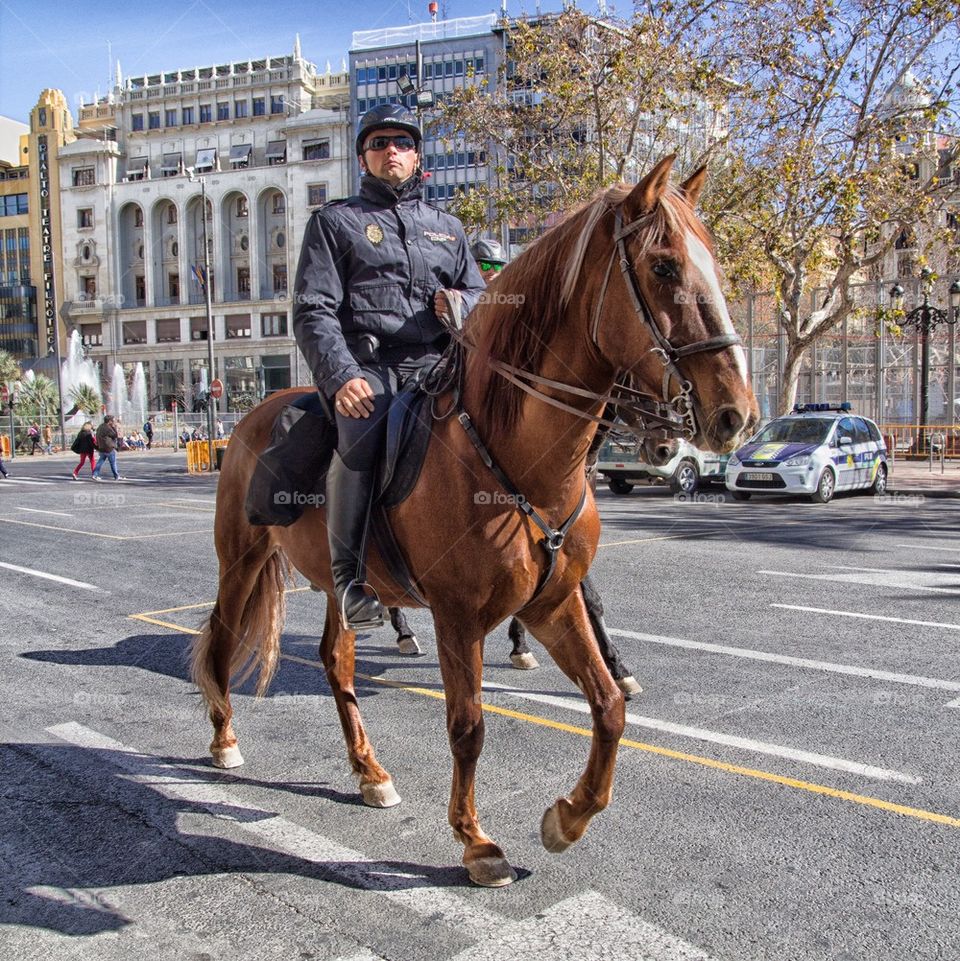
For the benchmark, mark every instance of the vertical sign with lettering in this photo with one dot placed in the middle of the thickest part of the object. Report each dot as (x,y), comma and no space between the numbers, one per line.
(46,242)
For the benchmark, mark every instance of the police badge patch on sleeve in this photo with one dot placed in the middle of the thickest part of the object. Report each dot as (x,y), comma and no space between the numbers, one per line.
(374,233)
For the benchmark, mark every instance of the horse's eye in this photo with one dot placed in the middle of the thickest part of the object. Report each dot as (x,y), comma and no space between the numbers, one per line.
(664,269)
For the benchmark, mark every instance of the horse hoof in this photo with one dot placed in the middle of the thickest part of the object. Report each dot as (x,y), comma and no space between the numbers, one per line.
(524,662)
(227,757)
(491,872)
(380,795)
(629,686)
(408,646)
(551,833)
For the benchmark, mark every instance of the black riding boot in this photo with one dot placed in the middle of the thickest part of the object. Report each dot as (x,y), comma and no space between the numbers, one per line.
(349,495)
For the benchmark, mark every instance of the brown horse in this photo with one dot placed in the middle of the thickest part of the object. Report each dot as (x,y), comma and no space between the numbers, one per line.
(476,558)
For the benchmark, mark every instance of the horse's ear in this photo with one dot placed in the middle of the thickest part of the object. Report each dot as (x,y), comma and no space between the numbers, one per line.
(646,195)
(692,187)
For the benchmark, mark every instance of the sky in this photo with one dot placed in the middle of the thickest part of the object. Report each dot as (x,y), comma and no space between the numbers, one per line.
(74,46)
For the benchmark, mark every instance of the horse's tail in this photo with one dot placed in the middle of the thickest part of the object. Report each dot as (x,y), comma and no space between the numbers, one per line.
(256,643)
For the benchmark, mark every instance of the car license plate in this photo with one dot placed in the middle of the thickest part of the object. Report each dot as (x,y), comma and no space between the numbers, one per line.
(759,476)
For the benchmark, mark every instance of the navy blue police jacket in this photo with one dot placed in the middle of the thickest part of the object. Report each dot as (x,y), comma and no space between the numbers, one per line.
(372,264)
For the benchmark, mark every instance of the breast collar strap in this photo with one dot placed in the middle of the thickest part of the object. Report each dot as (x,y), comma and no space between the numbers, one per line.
(553,538)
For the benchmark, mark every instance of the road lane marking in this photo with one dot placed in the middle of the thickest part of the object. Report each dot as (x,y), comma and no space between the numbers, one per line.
(36,510)
(715,737)
(888,578)
(868,617)
(735,769)
(112,537)
(407,889)
(574,927)
(69,582)
(663,537)
(934,683)
(927,547)
(25,480)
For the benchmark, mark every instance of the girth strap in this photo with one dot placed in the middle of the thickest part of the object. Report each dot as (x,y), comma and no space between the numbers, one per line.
(553,538)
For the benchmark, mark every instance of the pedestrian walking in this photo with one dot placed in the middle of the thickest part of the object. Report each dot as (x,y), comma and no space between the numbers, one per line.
(35,438)
(107,437)
(148,432)
(376,276)
(47,439)
(3,470)
(220,431)
(84,445)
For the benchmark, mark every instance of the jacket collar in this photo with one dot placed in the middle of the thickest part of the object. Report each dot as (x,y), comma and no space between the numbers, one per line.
(379,192)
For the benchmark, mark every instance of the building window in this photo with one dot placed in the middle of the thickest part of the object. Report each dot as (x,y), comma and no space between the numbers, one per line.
(240,109)
(276,373)
(243,284)
(206,160)
(238,326)
(274,325)
(91,335)
(276,104)
(140,289)
(13,204)
(168,331)
(153,120)
(137,122)
(242,209)
(279,278)
(478,65)
(223,111)
(276,152)
(170,118)
(171,165)
(88,288)
(198,328)
(137,216)
(259,107)
(84,177)
(206,113)
(173,286)
(240,155)
(187,116)
(85,218)
(135,332)
(316,194)
(316,150)
(278,205)
(171,214)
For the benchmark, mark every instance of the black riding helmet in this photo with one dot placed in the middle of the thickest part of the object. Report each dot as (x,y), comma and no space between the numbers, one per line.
(387,115)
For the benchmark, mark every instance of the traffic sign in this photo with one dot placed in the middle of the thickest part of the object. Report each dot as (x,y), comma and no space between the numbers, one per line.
(216,389)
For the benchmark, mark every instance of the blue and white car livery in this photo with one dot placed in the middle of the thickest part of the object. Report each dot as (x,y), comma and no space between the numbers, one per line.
(816,450)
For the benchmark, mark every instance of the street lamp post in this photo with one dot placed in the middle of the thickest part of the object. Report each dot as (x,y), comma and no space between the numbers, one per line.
(211,400)
(926,318)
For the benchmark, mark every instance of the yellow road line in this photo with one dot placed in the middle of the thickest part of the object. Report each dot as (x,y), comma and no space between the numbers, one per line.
(794,783)
(663,537)
(191,607)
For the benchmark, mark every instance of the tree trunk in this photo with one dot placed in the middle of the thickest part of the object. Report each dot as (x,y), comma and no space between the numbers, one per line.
(791,375)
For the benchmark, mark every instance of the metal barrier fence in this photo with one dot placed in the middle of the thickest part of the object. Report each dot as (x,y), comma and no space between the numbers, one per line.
(939,441)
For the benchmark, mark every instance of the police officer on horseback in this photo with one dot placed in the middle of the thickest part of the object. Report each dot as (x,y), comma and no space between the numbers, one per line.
(377,275)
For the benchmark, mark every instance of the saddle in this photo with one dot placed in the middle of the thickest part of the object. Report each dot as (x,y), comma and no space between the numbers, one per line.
(290,476)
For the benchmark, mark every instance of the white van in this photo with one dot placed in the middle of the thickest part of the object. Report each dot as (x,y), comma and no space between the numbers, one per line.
(622,462)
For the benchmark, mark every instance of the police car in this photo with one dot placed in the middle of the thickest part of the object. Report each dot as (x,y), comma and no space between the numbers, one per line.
(817,450)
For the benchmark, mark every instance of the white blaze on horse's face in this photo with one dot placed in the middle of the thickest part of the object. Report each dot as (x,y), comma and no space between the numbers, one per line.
(701,259)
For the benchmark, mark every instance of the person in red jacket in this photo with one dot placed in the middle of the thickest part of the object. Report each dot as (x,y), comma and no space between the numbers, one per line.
(86,447)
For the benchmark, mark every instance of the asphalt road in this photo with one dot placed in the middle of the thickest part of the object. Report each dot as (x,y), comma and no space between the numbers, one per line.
(788,786)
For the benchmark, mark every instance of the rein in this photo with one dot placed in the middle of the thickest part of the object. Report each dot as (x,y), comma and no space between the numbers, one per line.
(670,416)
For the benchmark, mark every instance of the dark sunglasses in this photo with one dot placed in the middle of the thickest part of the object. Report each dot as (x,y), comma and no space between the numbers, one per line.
(403,144)
(487,265)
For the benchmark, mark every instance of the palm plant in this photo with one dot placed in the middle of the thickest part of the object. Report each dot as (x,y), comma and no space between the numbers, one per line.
(86,398)
(38,397)
(9,368)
